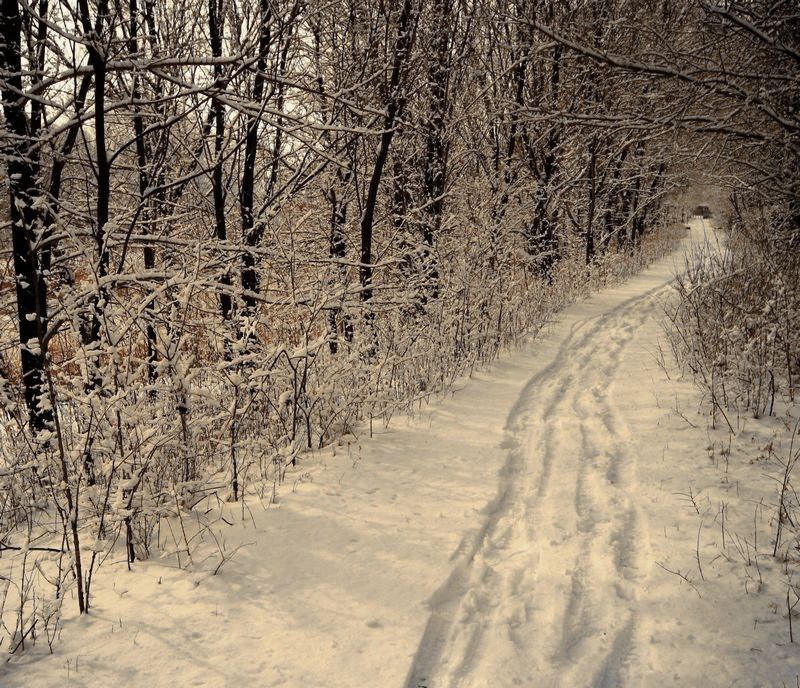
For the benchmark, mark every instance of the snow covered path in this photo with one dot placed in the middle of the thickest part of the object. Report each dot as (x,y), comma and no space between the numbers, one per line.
(607,498)
(509,535)
(547,595)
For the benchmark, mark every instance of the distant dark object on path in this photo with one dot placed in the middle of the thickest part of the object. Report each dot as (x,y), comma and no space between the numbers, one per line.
(703,211)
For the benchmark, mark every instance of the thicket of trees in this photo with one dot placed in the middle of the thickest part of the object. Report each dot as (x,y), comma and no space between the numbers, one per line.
(736,324)
(237,227)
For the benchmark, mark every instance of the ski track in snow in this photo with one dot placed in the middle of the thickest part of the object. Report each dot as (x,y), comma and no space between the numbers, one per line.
(546,593)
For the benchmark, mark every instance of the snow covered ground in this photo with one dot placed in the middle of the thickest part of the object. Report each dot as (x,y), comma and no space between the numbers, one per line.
(566,518)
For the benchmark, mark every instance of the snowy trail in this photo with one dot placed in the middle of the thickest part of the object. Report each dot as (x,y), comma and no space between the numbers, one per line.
(510,534)
(332,588)
(547,594)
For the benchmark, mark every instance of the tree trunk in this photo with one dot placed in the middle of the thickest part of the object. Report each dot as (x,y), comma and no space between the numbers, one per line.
(394,107)
(215,29)
(31,287)
(436,148)
(252,233)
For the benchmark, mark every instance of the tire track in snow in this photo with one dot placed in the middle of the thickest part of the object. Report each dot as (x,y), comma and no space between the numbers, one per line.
(542,593)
